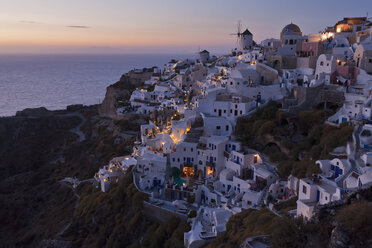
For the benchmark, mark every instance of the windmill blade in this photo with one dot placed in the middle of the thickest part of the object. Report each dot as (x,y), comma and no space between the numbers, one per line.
(239,28)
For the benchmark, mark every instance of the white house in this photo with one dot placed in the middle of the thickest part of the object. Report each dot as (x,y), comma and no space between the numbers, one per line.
(151,168)
(335,168)
(217,126)
(365,137)
(363,57)
(325,66)
(211,155)
(110,173)
(315,191)
(184,156)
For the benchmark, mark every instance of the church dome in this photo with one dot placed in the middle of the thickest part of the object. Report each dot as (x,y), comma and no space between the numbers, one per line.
(290,29)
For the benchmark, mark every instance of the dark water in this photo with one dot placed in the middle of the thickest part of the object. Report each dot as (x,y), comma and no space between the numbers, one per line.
(55,81)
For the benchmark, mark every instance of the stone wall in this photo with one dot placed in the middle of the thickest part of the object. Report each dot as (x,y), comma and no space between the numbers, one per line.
(160,214)
(306,62)
(268,75)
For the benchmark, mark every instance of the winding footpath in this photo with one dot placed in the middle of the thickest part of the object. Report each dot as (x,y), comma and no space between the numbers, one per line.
(72,183)
(77,130)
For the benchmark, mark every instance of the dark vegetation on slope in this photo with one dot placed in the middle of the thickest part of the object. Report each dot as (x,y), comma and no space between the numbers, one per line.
(294,142)
(350,223)
(115,219)
(35,153)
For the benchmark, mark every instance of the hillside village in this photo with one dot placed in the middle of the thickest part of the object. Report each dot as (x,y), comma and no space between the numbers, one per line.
(189,159)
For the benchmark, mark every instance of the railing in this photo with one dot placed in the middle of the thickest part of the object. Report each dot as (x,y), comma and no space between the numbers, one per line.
(188,164)
(212,164)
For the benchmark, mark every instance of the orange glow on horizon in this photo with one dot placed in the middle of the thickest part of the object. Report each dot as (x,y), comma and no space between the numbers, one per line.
(15,34)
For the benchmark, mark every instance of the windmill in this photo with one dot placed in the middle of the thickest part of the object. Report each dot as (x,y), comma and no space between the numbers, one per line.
(238,34)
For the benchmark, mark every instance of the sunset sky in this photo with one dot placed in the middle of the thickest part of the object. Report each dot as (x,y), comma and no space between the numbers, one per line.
(157,26)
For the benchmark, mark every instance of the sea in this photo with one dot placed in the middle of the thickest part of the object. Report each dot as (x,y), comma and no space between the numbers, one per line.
(56,81)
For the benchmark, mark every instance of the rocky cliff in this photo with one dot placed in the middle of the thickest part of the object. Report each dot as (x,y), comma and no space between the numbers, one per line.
(120,92)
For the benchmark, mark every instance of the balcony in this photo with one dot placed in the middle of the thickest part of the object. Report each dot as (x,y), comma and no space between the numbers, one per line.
(188,164)
(202,146)
(226,154)
(211,164)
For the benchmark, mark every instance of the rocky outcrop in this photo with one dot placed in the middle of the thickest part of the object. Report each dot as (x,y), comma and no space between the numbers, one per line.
(339,238)
(34,112)
(108,106)
(121,91)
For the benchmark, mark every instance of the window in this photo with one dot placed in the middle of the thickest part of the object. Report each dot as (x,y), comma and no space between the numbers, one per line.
(215,110)
(178,159)
(321,63)
(174,159)
(227,127)
(370,61)
(192,149)
(184,149)
(304,189)
(327,64)
(241,112)
(218,127)
(224,111)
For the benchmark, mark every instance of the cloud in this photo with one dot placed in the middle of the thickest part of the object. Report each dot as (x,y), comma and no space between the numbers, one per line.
(29,22)
(78,26)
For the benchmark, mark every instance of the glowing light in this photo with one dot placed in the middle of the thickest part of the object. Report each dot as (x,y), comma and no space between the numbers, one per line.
(188,171)
(338,30)
(209,171)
